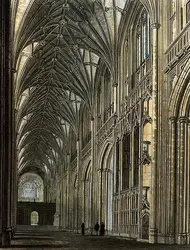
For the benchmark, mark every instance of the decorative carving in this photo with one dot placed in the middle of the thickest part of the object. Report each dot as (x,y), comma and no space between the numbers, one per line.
(146,118)
(145,202)
(146,159)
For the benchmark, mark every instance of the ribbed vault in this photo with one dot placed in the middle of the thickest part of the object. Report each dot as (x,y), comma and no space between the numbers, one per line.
(60,47)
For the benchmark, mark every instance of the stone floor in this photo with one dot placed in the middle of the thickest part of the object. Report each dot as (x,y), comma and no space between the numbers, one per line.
(67,241)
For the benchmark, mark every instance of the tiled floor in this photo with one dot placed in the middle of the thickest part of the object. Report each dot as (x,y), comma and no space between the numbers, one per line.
(68,241)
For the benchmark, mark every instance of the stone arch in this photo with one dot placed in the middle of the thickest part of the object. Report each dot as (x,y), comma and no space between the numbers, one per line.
(134,59)
(179,100)
(106,146)
(34,218)
(132,12)
(87,195)
(179,163)
(152,9)
(86,169)
(106,172)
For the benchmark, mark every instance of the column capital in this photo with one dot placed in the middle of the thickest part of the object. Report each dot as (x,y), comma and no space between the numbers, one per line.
(155,25)
(13,70)
(172,119)
(183,119)
(115,84)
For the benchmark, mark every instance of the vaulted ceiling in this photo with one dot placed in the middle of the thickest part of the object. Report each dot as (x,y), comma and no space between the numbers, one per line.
(59,49)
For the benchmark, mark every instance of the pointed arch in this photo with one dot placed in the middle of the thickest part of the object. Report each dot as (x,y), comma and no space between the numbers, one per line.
(106,149)
(180,96)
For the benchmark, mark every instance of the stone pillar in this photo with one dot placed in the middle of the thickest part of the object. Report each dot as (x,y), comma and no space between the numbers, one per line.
(93,216)
(140,196)
(6,127)
(120,184)
(106,198)
(188,182)
(83,201)
(59,215)
(182,188)
(115,97)
(131,176)
(153,207)
(79,202)
(99,183)
(172,180)
(58,218)
(68,190)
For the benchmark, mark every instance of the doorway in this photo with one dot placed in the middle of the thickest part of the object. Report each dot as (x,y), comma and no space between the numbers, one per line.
(34,218)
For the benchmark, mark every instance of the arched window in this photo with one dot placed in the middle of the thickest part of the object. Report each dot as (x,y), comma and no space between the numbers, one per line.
(29,190)
(108,95)
(143,38)
(99,104)
(105,107)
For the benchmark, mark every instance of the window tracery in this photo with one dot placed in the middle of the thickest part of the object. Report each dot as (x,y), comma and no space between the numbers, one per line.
(143,38)
(105,105)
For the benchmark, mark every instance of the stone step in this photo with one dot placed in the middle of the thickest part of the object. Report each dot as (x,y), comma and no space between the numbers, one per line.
(38,243)
(38,237)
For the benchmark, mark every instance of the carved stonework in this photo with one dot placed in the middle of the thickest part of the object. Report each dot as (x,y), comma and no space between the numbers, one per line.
(145,202)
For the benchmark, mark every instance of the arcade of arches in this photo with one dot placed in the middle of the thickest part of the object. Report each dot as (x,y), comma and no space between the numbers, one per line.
(95,115)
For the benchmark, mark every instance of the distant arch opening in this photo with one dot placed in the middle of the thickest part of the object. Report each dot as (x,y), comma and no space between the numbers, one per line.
(34,218)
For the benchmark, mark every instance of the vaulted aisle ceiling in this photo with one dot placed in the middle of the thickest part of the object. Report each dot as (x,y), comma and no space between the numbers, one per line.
(59,49)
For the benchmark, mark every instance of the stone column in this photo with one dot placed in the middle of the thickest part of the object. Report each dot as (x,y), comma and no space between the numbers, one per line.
(132,156)
(172,179)
(93,178)
(115,97)
(140,195)
(106,198)
(120,184)
(6,128)
(83,200)
(79,202)
(153,206)
(62,213)
(68,190)
(182,170)
(58,216)
(100,194)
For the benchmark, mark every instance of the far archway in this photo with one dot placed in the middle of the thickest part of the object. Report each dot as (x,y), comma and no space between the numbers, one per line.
(34,218)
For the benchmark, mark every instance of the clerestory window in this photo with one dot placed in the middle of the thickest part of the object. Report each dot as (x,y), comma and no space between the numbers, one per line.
(143,39)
